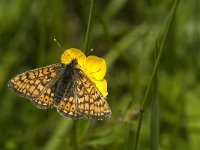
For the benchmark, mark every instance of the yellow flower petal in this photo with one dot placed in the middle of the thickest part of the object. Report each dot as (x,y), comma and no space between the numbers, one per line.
(95,67)
(101,86)
(73,53)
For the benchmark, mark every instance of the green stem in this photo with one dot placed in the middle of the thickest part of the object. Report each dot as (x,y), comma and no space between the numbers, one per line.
(74,136)
(59,134)
(155,111)
(88,27)
(145,100)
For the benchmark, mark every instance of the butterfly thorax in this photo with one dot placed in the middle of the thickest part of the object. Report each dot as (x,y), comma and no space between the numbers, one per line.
(66,80)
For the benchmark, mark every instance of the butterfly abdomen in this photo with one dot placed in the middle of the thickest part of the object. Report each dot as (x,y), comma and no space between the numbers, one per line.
(66,81)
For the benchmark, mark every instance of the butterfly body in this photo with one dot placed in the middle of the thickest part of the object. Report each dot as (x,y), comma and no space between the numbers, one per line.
(63,86)
(65,81)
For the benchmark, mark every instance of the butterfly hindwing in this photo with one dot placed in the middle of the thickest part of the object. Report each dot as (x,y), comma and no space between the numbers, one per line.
(37,84)
(68,104)
(90,102)
(45,99)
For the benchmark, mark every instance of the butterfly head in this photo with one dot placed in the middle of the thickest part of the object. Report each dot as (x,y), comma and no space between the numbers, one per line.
(74,62)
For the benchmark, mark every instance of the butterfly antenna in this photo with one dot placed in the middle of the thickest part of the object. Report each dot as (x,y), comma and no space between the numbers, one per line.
(58,44)
(90,51)
(61,48)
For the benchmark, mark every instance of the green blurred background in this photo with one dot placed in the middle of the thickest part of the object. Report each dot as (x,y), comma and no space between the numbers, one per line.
(124,32)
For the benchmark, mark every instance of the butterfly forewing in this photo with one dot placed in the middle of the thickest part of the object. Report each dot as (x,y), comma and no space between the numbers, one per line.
(37,85)
(90,102)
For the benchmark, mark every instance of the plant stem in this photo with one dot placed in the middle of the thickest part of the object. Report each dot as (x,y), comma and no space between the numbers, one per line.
(154,73)
(58,135)
(74,136)
(88,27)
(155,110)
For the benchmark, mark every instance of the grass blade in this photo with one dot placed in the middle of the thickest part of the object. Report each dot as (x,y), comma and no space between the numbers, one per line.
(88,27)
(154,73)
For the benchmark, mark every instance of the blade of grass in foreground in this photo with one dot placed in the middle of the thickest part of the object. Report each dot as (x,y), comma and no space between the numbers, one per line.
(155,110)
(58,135)
(154,73)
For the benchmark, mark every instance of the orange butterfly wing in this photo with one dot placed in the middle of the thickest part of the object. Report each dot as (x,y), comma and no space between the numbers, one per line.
(37,85)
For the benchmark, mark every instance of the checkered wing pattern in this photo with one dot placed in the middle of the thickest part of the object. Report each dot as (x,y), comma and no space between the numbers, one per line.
(37,85)
(68,105)
(90,101)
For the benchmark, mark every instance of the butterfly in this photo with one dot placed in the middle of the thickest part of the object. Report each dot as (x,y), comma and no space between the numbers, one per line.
(64,86)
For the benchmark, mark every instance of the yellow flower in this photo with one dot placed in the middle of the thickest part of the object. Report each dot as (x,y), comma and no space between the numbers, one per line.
(94,67)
